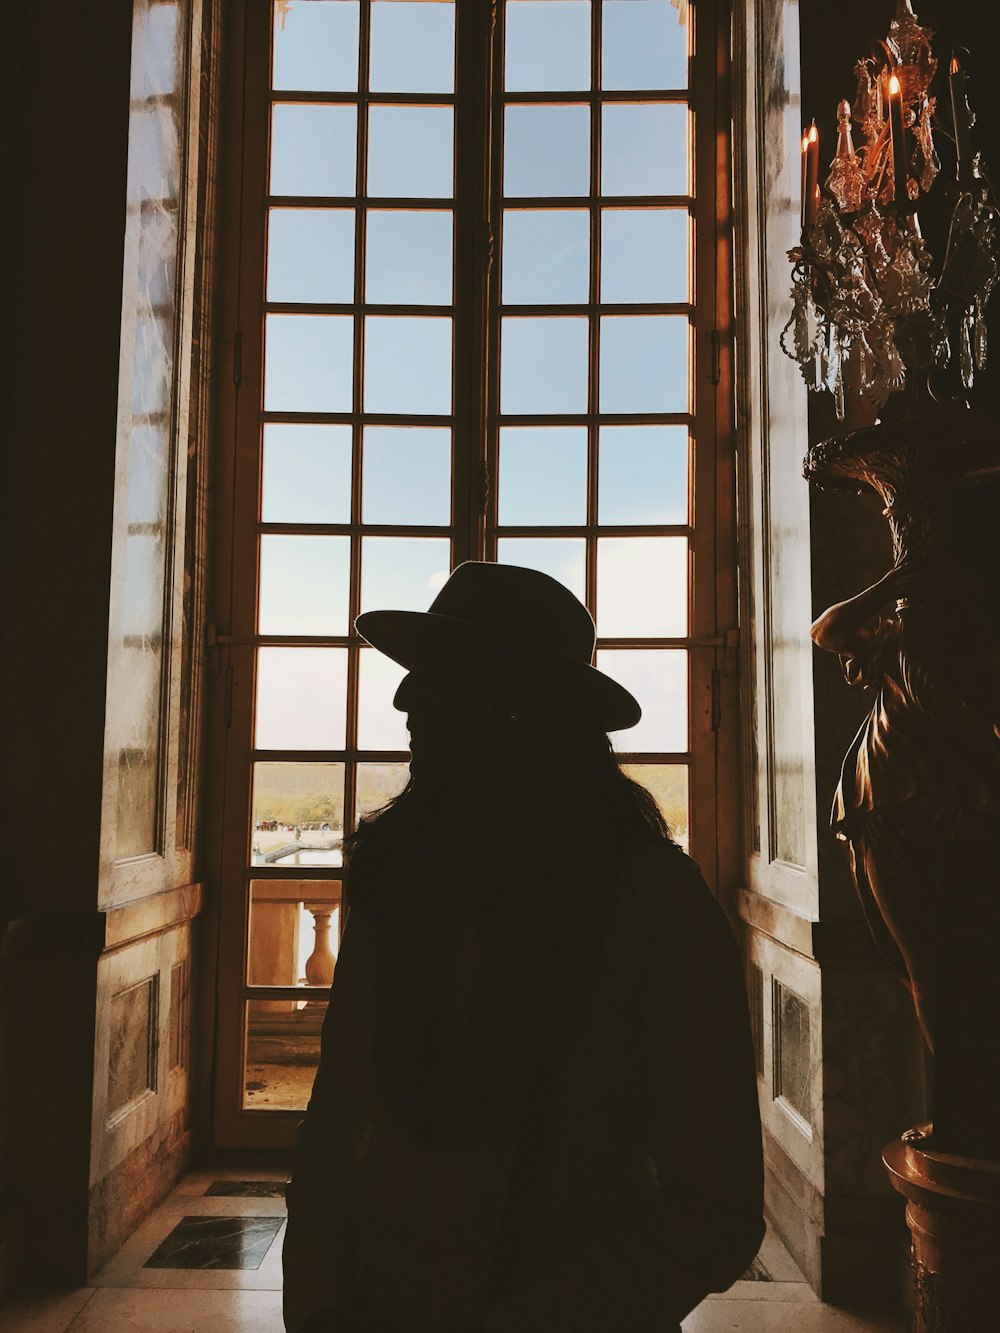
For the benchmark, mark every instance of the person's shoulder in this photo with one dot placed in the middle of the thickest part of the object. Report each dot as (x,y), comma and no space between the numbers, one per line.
(658,869)
(666,887)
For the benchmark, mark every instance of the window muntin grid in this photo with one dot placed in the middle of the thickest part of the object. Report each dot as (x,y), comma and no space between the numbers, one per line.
(628,471)
(360,365)
(593,307)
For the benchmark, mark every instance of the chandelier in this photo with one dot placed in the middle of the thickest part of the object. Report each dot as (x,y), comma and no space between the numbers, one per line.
(872,307)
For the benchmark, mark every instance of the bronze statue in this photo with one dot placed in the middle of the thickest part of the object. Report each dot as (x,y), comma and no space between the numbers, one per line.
(919,793)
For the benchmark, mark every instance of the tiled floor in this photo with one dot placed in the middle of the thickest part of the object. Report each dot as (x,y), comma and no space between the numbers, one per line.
(208,1260)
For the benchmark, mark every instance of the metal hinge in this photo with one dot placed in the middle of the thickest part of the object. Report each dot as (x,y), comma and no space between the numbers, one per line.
(729,644)
(716,356)
(214,639)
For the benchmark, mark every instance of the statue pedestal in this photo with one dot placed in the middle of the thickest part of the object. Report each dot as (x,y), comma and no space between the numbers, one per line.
(953,1212)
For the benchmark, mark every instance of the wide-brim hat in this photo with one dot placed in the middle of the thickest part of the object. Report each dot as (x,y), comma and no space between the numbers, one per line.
(520,614)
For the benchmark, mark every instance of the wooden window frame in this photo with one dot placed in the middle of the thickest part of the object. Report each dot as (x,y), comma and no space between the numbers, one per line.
(713,749)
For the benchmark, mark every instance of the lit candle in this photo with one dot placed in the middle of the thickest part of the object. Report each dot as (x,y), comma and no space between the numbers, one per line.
(963,119)
(805,174)
(899,172)
(812,174)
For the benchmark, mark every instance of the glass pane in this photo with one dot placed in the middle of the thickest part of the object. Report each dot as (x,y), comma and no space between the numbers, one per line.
(316,45)
(408,258)
(643,45)
(547,45)
(152,364)
(314,149)
(793,1072)
(403,573)
(304,584)
(298,810)
(658,679)
(282,1053)
(642,474)
(408,365)
(642,585)
(546,151)
(546,257)
(644,149)
(543,365)
(668,783)
(644,363)
(644,254)
(412,47)
(407,475)
(543,475)
(306,474)
(562,558)
(308,363)
(410,152)
(158,50)
(380,726)
(293,923)
(378,784)
(310,255)
(301,698)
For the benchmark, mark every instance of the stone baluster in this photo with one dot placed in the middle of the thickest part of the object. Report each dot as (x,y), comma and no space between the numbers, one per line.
(321,962)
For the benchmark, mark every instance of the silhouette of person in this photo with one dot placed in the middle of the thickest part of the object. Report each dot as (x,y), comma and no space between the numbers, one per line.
(535,1110)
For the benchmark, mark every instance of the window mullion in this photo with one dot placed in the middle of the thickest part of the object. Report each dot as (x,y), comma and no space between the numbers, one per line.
(474,343)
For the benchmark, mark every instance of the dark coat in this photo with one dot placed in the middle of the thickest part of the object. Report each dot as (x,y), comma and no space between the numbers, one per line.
(628,1195)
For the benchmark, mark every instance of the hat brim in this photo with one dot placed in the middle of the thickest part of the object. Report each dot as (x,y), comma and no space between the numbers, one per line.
(408,636)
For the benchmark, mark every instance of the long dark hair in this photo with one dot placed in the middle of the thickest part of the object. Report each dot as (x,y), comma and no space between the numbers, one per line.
(425,879)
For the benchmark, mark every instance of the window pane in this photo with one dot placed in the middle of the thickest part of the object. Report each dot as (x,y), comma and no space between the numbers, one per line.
(284,916)
(410,152)
(642,474)
(287,797)
(308,362)
(543,365)
(668,784)
(644,254)
(562,558)
(310,255)
(546,151)
(407,475)
(543,475)
(547,45)
(642,587)
(644,149)
(412,47)
(306,474)
(643,45)
(301,698)
(282,1053)
(408,257)
(380,726)
(316,45)
(658,679)
(314,149)
(546,257)
(378,784)
(644,363)
(304,584)
(403,573)
(408,365)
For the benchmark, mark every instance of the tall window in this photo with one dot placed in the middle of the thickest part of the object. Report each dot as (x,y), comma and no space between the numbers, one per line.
(464,327)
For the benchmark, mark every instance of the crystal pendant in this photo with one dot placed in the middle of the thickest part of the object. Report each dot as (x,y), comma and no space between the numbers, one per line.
(965,349)
(980,335)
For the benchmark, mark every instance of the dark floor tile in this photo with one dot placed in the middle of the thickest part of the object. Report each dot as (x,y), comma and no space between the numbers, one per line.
(756,1273)
(216,1242)
(248,1189)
